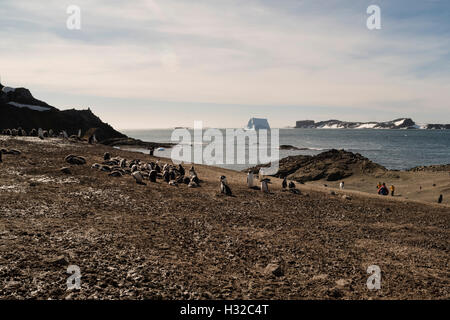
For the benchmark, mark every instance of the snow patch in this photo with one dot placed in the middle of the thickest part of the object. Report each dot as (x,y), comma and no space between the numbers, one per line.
(35,108)
(399,122)
(366,126)
(8,89)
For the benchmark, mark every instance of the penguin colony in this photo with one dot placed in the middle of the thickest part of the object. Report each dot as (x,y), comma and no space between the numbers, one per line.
(147,171)
(141,171)
(42,134)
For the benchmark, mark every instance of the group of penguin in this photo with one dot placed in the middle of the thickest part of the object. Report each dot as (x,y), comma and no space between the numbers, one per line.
(42,134)
(140,171)
(169,173)
(264,187)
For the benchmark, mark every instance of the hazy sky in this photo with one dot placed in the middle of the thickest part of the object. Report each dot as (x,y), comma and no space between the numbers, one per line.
(165,63)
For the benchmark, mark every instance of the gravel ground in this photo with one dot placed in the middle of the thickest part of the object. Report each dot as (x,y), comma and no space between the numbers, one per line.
(163,242)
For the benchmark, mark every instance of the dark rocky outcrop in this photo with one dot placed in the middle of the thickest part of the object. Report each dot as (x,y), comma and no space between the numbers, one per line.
(330,165)
(71,120)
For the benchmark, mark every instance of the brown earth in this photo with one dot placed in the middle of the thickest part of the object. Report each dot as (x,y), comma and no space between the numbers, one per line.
(162,242)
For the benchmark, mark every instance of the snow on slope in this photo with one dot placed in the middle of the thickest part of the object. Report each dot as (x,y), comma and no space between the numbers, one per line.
(36,108)
(7,89)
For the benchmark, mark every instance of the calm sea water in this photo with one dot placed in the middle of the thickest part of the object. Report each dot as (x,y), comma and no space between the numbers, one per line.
(394,149)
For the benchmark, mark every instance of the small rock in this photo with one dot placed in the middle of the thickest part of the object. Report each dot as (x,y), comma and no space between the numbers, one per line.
(275,269)
(57,261)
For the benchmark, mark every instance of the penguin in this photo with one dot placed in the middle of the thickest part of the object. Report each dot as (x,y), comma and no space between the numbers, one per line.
(116,173)
(186,180)
(79,133)
(195,179)
(224,188)
(284,183)
(440,199)
(50,133)
(192,171)
(166,176)
(13,152)
(95,166)
(106,156)
(264,185)
(181,170)
(173,183)
(138,177)
(134,168)
(41,134)
(152,175)
(250,179)
(157,168)
(123,163)
(292,188)
(106,168)
(192,184)
(14,132)
(172,175)
(77,160)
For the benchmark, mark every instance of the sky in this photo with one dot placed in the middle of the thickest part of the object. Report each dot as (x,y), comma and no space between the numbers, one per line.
(141,64)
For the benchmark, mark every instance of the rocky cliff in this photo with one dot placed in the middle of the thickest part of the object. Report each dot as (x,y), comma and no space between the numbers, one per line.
(18,108)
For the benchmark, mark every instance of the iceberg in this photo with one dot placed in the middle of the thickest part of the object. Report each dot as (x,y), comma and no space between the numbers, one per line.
(257,123)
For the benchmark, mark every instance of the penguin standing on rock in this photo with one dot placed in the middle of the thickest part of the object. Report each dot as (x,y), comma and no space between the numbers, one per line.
(224,188)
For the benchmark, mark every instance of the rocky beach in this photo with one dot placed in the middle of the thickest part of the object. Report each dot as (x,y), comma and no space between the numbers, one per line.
(158,241)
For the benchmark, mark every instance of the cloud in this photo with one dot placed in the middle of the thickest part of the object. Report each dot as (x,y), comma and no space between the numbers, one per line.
(255,53)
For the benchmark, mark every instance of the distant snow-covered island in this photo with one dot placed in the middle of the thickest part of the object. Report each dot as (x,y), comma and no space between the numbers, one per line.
(401,123)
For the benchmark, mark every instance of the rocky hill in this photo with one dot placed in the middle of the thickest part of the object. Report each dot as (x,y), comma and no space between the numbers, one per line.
(18,108)
(401,123)
(330,165)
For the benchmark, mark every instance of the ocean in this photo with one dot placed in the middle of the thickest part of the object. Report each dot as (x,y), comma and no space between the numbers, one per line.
(394,149)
